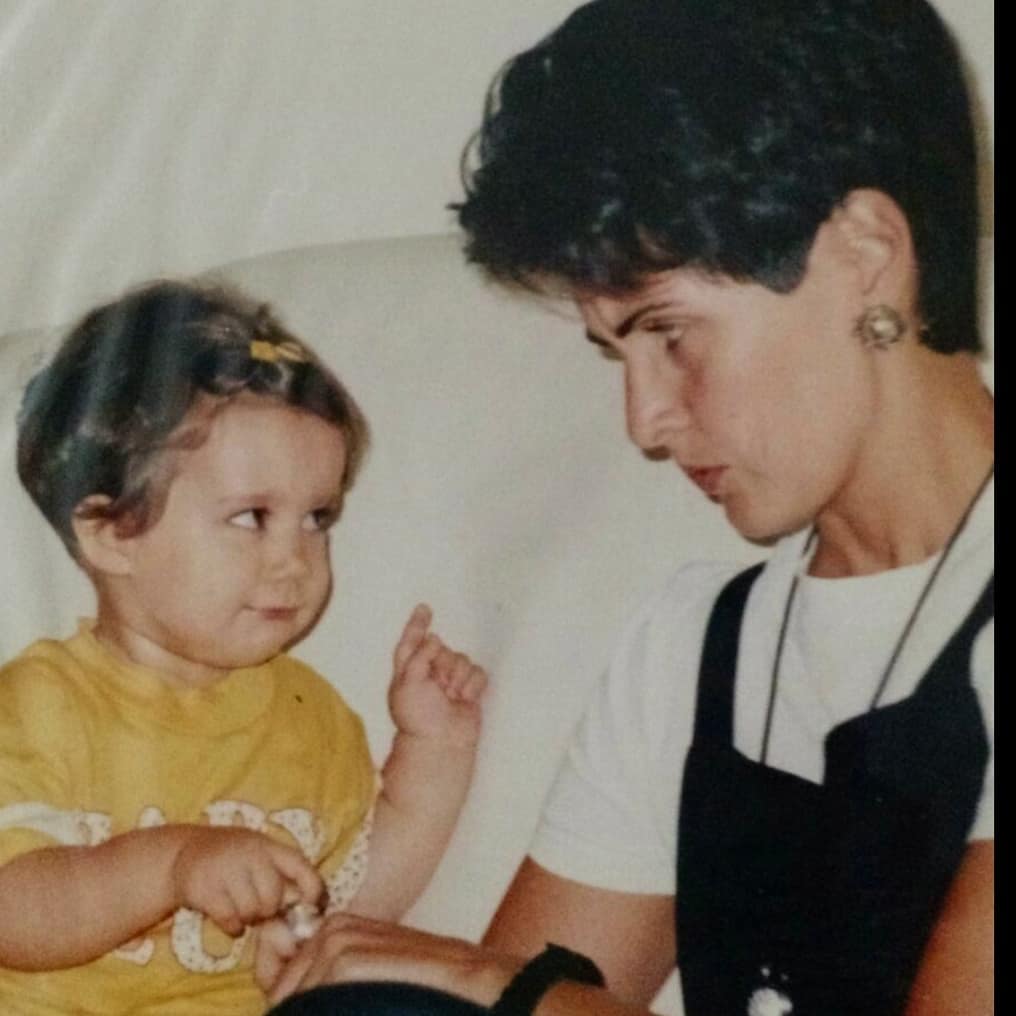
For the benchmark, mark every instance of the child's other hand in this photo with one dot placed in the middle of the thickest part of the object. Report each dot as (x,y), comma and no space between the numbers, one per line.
(435,691)
(239,877)
(276,946)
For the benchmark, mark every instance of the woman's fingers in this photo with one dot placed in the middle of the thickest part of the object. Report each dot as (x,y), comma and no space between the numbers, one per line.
(293,976)
(318,960)
(350,948)
(347,948)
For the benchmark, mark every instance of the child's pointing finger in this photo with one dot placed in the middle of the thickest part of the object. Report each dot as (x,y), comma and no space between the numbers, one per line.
(412,635)
(418,665)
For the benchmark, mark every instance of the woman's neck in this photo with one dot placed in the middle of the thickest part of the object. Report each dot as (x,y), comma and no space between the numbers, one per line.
(927,456)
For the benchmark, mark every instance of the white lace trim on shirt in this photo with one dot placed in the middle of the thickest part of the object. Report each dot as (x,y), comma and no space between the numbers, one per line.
(344,883)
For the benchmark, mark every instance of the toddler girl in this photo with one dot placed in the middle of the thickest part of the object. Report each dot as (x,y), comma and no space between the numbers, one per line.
(170,778)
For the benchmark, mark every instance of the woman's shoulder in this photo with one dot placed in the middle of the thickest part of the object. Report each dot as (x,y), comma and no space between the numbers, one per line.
(686,597)
(696,584)
(658,651)
(665,635)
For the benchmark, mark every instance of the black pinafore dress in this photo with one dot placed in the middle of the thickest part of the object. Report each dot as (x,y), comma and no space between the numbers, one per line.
(804,899)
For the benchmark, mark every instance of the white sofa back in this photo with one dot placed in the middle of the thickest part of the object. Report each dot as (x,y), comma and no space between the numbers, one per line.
(500,488)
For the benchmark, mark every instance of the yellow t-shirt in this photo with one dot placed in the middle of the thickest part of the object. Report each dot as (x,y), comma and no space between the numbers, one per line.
(92,746)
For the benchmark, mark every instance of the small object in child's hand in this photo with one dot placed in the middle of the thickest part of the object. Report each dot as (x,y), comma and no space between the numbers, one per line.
(303,920)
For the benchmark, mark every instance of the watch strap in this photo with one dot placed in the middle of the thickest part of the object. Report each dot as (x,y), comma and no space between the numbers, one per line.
(535,979)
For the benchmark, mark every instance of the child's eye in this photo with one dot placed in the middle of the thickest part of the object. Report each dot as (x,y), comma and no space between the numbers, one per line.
(251,518)
(320,520)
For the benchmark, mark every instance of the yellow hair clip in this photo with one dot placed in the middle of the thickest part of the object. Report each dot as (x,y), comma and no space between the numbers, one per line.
(272,352)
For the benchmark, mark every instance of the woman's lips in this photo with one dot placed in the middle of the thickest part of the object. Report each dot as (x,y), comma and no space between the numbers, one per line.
(707,479)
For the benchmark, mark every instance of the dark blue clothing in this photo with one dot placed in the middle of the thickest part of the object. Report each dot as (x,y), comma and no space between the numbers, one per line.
(376,1000)
(818,899)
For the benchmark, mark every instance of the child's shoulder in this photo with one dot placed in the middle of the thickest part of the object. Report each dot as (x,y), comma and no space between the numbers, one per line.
(41,681)
(43,659)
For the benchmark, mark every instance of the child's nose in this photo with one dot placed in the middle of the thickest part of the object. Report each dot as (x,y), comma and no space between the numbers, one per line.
(288,556)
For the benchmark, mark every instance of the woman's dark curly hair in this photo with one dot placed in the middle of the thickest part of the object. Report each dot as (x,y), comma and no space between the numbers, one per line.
(649,134)
(119,394)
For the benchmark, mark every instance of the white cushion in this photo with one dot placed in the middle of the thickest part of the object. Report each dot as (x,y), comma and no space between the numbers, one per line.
(500,488)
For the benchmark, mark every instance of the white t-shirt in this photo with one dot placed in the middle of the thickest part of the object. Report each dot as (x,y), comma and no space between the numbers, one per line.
(610,820)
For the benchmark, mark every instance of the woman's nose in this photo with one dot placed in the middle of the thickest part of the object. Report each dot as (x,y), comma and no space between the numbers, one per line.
(654,404)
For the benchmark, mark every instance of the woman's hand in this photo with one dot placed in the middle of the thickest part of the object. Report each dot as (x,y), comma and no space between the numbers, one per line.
(435,691)
(349,948)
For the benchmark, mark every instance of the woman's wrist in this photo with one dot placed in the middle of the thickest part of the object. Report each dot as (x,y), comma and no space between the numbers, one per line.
(556,964)
(488,976)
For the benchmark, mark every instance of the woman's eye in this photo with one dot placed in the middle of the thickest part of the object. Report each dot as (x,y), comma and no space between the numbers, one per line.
(668,335)
(251,518)
(609,353)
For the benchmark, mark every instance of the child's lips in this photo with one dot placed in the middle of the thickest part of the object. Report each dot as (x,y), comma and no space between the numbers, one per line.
(278,613)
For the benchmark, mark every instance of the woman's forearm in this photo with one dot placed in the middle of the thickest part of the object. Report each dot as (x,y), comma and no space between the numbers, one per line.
(62,906)
(569,999)
(349,949)
(957,974)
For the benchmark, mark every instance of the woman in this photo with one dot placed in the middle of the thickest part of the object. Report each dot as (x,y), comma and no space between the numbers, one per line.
(767,214)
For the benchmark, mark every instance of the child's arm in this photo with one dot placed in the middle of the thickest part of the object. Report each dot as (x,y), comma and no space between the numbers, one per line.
(435,702)
(62,906)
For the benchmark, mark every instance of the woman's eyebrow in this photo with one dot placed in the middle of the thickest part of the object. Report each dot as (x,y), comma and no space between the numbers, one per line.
(628,324)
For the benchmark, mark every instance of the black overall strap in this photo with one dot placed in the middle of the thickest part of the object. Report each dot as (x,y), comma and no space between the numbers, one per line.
(955,656)
(714,707)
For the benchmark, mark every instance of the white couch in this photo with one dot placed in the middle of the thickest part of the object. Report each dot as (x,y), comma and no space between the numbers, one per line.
(500,488)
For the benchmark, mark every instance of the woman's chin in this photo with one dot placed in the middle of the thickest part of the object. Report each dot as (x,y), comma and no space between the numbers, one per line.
(759,526)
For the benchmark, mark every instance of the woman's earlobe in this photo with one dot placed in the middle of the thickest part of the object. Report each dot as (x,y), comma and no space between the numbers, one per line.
(100,544)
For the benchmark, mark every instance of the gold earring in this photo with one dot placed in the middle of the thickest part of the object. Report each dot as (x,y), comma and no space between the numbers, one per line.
(879,327)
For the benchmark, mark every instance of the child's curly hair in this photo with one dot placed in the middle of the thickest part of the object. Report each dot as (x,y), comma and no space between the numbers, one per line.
(95,423)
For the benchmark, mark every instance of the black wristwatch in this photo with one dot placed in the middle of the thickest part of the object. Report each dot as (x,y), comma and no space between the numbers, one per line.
(530,984)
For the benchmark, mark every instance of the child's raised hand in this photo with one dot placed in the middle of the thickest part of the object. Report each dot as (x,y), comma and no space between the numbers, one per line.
(435,691)
(239,877)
